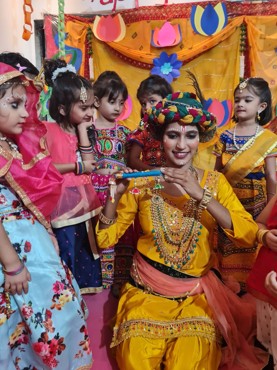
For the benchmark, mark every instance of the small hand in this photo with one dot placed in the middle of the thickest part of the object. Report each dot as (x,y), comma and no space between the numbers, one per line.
(85,125)
(18,283)
(89,166)
(271,239)
(271,283)
(122,184)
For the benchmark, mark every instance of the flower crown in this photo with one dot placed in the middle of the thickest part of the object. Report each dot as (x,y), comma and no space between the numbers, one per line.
(68,68)
(184,109)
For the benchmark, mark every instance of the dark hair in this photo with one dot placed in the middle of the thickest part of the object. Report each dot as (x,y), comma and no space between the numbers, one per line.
(259,87)
(16,60)
(109,84)
(66,88)
(154,84)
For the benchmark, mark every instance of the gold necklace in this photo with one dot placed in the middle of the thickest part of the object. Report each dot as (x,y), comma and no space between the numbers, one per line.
(175,231)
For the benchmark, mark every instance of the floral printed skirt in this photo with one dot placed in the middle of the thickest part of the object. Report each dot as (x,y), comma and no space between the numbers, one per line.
(45,328)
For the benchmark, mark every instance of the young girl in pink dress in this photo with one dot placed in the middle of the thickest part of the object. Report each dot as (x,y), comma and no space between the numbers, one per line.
(71,106)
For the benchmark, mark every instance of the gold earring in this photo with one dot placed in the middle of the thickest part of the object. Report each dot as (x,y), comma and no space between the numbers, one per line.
(258,116)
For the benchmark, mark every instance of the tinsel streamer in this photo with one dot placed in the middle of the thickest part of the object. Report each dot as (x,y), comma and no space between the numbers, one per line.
(61,29)
(27,27)
(242,50)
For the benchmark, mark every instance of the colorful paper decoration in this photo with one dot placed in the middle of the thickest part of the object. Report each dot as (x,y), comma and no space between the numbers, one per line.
(167,35)
(166,66)
(221,110)
(209,20)
(27,28)
(128,106)
(109,28)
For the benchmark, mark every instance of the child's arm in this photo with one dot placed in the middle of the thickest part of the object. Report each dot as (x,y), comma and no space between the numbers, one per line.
(218,164)
(16,274)
(270,176)
(271,283)
(133,159)
(267,237)
(84,142)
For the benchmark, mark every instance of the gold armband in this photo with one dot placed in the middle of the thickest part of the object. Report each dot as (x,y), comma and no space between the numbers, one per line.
(105,220)
(260,235)
(207,197)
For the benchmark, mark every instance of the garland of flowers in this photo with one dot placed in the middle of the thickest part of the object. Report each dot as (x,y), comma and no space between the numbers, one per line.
(61,28)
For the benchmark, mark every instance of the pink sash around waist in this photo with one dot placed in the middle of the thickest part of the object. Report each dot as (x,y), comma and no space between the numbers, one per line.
(234,317)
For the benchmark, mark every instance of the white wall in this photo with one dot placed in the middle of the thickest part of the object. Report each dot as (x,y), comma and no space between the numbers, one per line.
(12,18)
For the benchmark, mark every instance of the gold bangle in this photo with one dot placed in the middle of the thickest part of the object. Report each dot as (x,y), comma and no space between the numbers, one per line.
(260,235)
(207,197)
(105,220)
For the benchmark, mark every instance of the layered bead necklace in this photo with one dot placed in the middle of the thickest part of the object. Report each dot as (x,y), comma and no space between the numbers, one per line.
(175,231)
(251,141)
(12,145)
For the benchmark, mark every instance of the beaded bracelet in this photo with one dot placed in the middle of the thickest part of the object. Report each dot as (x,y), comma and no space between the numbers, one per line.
(105,220)
(86,149)
(79,168)
(207,197)
(260,235)
(14,272)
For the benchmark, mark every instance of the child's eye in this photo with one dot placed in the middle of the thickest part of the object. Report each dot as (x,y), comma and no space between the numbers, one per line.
(14,104)
(192,135)
(153,102)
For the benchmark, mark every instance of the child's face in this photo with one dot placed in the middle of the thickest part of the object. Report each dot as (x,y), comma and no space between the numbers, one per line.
(12,110)
(247,104)
(149,101)
(110,109)
(82,112)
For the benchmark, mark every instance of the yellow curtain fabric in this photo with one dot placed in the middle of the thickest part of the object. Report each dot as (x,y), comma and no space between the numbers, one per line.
(216,67)
(262,37)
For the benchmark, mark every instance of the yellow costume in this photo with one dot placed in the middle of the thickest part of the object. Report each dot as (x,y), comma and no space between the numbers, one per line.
(245,171)
(151,328)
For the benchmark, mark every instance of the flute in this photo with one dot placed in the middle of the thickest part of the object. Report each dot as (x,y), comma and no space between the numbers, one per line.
(146,173)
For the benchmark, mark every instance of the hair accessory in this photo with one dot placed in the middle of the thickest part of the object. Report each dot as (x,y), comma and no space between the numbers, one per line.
(20,68)
(14,272)
(243,85)
(83,94)
(68,68)
(106,220)
(9,75)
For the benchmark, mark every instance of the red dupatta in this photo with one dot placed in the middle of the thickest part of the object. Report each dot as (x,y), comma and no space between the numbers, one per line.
(266,262)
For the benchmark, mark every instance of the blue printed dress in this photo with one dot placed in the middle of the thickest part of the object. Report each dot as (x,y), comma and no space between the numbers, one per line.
(45,328)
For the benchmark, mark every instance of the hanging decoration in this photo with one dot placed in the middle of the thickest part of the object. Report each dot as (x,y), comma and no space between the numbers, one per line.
(109,28)
(27,27)
(167,35)
(242,50)
(166,66)
(209,20)
(222,110)
(127,109)
(61,29)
